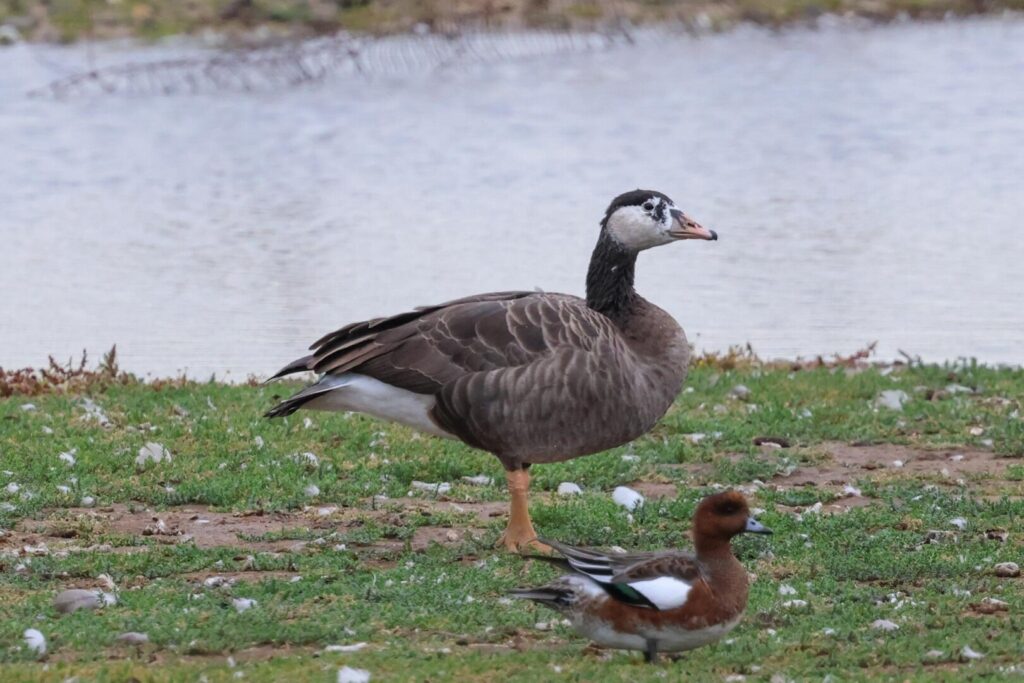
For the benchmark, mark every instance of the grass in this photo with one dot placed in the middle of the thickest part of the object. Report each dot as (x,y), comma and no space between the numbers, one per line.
(415,576)
(71,20)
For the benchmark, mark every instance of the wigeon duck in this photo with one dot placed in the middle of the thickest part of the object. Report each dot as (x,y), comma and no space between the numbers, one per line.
(665,601)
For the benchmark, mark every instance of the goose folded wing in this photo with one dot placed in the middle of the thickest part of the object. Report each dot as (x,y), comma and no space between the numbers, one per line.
(426,349)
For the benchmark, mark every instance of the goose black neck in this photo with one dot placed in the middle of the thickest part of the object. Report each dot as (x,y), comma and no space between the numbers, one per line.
(610,279)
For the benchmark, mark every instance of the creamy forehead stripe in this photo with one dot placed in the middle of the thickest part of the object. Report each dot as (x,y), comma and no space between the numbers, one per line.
(664,592)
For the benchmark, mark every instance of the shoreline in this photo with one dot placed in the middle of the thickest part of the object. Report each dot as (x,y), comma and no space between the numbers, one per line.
(80,376)
(245,23)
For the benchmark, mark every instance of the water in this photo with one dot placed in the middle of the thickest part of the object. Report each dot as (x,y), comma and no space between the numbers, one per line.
(866,185)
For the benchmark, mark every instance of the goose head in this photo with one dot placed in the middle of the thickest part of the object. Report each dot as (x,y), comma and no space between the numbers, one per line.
(642,219)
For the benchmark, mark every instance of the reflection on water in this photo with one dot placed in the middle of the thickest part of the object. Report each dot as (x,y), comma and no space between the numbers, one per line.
(865,184)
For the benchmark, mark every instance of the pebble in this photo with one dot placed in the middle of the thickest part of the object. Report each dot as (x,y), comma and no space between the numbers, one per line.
(152,452)
(347,674)
(88,501)
(740,391)
(75,599)
(968,653)
(959,522)
(312,490)
(133,638)
(567,488)
(627,498)
(439,488)
(893,399)
(1007,570)
(354,647)
(68,457)
(35,641)
(884,625)
(479,480)
(243,604)
(308,459)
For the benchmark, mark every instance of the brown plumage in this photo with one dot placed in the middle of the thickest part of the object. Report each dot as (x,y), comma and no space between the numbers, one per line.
(530,377)
(665,601)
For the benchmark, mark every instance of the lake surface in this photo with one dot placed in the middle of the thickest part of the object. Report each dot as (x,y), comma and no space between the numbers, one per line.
(867,184)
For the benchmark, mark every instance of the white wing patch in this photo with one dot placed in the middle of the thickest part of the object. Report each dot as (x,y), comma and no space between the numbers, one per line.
(664,592)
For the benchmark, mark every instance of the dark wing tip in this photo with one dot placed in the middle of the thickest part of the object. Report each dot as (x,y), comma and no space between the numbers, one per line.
(298,365)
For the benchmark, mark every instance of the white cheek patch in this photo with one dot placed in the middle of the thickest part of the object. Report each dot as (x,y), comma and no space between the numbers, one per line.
(664,592)
(634,228)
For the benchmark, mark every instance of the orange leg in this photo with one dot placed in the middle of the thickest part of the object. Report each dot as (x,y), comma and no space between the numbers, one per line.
(519,534)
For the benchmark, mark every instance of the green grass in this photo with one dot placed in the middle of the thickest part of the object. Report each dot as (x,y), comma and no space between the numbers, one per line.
(439,612)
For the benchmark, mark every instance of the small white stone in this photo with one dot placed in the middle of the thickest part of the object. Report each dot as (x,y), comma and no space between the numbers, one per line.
(892,399)
(218,581)
(75,599)
(629,457)
(959,522)
(28,407)
(740,391)
(968,653)
(957,457)
(152,452)
(88,501)
(307,423)
(35,641)
(347,674)
(786,589)
(794,604)
(568,488)
(68,457)
(976,431)
(828,631)
(243,604)
(933,654)
(627,498)
(63,489)
(696,437)
(312,490)
(259,442)
(47,430)
(851,491)
(12,488)
(897,464)
(542,626)
(308,459)
(438,488)
(479,480)
(133,638)
(354,647)
(884,625)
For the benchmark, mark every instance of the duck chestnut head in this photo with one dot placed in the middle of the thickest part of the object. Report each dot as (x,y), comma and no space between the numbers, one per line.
(720,517)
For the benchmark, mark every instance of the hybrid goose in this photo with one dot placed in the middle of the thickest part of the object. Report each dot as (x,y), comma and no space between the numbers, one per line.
(531,377)
(667,601)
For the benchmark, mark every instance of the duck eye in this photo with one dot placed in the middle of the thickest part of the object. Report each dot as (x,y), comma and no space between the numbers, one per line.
(648,206)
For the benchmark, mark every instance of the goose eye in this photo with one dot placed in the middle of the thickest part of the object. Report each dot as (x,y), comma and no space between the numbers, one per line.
(648,206)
